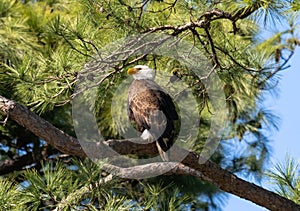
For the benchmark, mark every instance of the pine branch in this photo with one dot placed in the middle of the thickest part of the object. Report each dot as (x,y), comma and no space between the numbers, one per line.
(190,165)
(43,129)
(204,22)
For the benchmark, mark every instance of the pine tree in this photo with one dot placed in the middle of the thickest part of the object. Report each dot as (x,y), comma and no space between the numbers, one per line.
(52,49)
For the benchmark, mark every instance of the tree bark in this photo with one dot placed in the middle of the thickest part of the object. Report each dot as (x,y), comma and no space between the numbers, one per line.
(190,165)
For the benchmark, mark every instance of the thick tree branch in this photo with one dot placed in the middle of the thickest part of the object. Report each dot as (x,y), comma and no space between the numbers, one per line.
(43,129)
(191,164)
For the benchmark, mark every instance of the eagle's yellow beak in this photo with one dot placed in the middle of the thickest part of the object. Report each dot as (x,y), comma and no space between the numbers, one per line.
(132,71)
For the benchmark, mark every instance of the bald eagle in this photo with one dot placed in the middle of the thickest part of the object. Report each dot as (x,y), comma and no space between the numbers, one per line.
(151,109)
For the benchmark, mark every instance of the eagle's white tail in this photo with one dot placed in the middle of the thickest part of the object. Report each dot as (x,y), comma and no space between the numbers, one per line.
(164,155)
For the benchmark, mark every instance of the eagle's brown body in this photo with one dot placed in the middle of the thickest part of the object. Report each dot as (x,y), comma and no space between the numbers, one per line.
(150,108)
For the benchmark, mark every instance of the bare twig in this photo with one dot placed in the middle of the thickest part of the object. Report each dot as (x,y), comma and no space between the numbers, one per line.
(281,67)
(210,72)
(250,70)
(212,45)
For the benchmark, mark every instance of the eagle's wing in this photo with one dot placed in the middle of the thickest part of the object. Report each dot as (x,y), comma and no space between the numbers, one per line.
(142,107)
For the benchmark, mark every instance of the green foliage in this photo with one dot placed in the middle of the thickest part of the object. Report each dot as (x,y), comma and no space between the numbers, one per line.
(9,199)
(36,69)
(163,197)
(198,195)
(47,189)
(286,178)
(81,186)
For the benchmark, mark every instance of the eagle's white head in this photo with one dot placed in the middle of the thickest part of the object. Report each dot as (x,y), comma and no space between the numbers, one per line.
(142,72)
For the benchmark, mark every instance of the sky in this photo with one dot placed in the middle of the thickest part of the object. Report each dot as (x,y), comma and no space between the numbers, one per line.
(287,139)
